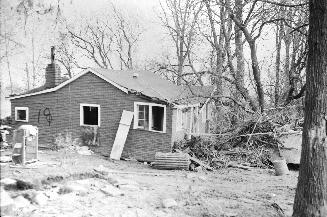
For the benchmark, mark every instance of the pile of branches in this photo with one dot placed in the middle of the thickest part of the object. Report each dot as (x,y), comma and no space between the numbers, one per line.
(251,144)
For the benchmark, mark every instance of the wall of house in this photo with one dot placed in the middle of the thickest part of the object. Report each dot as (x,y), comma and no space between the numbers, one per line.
(177,134)
(194,120)
(64,107)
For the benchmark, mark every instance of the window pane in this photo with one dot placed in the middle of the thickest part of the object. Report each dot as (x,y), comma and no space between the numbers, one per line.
(90,115)
(143,116)
(21,115)
(157,118)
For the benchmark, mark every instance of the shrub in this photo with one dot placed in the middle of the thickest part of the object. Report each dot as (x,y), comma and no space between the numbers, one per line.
(65,141)
(90,136)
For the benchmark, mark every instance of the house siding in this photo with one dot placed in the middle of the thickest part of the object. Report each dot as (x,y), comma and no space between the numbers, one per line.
(64,107)
(177,135)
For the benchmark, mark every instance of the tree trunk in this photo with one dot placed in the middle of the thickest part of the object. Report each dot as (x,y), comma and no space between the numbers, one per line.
(255,64)
(256,75)
(279,36)
(33,63)
(218,45)
(238,73)
(311,193)
(287,63)
(239,45)
(292,72)
(180,58)
(8,65)
(27,76)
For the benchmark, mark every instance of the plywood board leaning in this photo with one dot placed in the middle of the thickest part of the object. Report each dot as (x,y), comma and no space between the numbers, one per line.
(121,135)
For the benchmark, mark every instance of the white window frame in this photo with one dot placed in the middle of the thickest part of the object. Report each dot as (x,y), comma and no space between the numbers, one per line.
(81,115)
(136,116)
(21,108)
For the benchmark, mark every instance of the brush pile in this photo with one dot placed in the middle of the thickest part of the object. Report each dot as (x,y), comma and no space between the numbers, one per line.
(250,144)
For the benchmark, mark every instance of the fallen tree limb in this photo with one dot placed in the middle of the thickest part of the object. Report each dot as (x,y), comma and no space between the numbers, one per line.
(244,135)
(201,163)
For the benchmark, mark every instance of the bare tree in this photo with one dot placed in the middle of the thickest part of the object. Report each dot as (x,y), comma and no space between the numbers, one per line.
(180,18)
(108,42)
(127,37)
(96,43)
(217,43)
(278,40)
(66,55)
(311,191)
(239,44)
(251,37)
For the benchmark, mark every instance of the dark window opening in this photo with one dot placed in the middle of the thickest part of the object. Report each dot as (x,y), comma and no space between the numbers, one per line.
(21,115)
(91,115)
(158,118)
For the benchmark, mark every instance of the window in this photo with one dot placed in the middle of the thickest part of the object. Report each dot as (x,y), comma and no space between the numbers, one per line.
(143,116)
(21,114)
(150,116)
(89,115)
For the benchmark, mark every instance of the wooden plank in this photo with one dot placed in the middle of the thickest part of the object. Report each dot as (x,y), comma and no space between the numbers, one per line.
(193,159)
(121,135)
(201,163)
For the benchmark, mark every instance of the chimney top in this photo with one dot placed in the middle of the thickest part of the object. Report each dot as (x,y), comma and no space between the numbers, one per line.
(52,54)
(52,72)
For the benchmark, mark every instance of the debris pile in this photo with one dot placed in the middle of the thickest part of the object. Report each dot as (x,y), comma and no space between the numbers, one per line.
(251,144)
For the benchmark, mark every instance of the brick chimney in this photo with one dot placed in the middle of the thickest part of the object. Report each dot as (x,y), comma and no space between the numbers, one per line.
(52,72)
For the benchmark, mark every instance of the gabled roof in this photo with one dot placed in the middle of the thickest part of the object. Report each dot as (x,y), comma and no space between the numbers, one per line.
(146,83)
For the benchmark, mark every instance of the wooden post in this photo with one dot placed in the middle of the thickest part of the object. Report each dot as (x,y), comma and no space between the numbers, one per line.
(192,119)
(37,145)
(23,149)
(197,120)
(191,124)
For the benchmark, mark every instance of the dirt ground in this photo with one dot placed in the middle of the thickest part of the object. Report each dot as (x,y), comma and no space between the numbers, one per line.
(226,192)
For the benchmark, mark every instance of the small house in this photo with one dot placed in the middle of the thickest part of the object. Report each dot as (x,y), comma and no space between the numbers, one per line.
(96,98)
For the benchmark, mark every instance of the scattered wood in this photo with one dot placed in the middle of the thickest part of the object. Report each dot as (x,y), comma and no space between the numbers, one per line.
(195,160)
(279,210)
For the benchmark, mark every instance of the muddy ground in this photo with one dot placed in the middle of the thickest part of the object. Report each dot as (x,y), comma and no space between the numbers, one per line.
(226,192)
